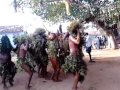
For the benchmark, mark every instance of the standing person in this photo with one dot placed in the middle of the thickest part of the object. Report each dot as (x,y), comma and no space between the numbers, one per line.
(39,53)
(104,41)
(23,61)
(7,67)
(53,48)
(74,62)
(100,42)
(89,46)
(44,55)
(97,45)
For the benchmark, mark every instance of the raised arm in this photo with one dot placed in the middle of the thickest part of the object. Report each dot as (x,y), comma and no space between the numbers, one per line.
(65,36)
(75,40)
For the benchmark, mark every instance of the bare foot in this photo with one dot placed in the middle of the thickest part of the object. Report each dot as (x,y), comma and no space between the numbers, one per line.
(5,87)
(34,71)
(39,76)
(56,80)
(74,88)
(28,87)
(11,84)
(47,78)
(91,61)
(2,82)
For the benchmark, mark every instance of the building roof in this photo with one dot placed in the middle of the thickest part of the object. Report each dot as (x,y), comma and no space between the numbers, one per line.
(11,29)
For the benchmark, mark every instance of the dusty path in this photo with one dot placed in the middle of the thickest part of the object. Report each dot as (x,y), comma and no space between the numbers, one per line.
(102,75)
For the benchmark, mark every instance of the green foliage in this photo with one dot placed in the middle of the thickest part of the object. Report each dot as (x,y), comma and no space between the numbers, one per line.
(55,11)
(20,39)
(52,12)
(39,31)
(36,44)
(30,38)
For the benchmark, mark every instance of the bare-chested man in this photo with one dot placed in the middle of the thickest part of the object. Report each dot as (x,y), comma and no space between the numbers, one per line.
(53,48)
(23,61)
(74,62)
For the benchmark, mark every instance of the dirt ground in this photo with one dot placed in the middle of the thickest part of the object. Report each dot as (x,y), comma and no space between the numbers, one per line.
(102,75)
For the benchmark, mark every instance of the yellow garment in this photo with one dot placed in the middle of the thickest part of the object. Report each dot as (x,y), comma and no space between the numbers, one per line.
(67,5)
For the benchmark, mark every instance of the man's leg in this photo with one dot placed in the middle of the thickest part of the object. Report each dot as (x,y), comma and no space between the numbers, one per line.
(89,52)
(13,71)
(57,72)
(4,81)
(12,78)
(56,68)
(45,71)
(90,57)
(44,63)
(76,80)
(29,71)
(39,69)
(30,77)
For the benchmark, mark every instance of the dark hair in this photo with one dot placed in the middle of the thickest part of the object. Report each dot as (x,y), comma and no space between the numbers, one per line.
(6,46)
(74,32)
(86,33)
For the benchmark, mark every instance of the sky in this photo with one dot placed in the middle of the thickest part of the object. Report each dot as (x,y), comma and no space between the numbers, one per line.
(9,17)
(5,11)
(30,21)
(5,6)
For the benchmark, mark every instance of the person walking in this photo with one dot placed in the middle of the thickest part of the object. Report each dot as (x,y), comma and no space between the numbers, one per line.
(88,45)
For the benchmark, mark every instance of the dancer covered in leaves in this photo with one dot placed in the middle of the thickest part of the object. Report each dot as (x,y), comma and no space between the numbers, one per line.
(7,67)
(74,62)
(24,63)
(40,54)
(53,47)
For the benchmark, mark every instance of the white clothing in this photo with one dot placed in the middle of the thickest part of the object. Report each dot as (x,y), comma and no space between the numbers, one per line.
(88,41)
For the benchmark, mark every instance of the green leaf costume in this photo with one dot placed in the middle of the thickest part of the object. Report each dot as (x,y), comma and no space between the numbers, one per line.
(75,63)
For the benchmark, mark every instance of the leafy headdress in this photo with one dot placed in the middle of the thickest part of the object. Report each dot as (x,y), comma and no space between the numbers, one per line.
(72,28)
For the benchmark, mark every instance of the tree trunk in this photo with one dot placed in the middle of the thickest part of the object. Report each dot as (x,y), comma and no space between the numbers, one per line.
(67,5)
(112,44)
(15,5)
(118,26)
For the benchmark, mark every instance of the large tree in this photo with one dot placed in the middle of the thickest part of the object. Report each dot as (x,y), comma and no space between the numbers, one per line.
(58,10)
(99,11)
